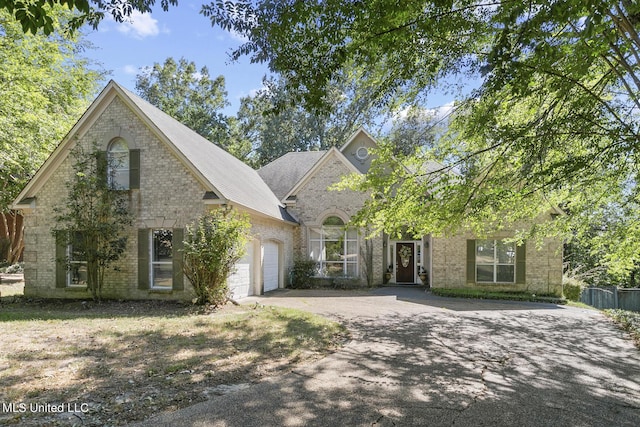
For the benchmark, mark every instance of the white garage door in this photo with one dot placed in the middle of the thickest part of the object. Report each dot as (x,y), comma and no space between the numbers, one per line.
(270,266)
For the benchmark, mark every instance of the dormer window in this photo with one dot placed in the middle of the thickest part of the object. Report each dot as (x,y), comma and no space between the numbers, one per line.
(118,164)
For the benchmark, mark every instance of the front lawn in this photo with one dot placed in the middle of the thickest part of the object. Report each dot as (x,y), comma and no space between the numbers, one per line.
(119,362)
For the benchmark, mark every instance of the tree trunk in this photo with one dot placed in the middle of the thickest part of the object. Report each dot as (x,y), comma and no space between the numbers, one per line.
(14,234)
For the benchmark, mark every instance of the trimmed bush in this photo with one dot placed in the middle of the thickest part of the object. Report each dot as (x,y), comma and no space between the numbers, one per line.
(572,288)
(301,273)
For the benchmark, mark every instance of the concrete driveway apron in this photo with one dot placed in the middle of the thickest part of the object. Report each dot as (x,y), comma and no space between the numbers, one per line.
(419,360)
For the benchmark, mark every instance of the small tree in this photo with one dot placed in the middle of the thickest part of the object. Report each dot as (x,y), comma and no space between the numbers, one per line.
(213,245)
(93,219)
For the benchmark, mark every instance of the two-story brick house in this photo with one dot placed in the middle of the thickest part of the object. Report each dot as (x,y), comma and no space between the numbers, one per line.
(172,175)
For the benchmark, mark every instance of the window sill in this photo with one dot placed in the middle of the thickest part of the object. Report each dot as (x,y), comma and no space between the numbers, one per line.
(160,291)
(495,283)
(73,288)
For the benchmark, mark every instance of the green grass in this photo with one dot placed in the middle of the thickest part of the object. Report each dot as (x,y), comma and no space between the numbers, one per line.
(510,296)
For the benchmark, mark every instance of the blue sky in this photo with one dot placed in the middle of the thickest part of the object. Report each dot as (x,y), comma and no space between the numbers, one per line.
(123,49)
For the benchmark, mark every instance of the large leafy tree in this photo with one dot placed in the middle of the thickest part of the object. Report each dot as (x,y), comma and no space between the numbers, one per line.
(553,121)
(417,128)
(45,84)
(187,94)
(193,97)
(275,125)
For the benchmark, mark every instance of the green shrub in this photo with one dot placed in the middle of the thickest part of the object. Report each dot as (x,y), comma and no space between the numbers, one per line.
(212,247)
(301,273)
(572,288)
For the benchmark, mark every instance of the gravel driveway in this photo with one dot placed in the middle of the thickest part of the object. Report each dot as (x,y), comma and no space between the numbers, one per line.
(420,360)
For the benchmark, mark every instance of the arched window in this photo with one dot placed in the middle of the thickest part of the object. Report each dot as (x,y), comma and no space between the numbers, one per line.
(335,248)
(118,164)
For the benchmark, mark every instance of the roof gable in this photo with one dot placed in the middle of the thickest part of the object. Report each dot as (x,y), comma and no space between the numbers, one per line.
(358,149)
(219,171)
(331,153)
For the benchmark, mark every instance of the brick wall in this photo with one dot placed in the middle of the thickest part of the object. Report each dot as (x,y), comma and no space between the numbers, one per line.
(315,202)
(543,265)
(169,197)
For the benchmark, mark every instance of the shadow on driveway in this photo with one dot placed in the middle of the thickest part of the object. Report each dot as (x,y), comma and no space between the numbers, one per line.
(416,360)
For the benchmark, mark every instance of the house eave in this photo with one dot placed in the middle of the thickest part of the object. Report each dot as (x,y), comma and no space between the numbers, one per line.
(25,205)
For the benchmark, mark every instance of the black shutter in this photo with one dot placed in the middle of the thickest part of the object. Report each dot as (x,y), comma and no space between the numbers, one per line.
(134,169)
(61,259)
(101,167)
(521,263)
(143,258)
(177,256)
(471,261)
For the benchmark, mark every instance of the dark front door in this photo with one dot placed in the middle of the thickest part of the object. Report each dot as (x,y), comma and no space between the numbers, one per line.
(405,262)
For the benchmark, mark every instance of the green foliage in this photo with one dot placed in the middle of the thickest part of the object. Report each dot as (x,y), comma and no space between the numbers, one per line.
(13,268)
(46,84)
(572,288)
(93,218)
(417,128)
(190,96)
(303,269)
(396,49)
(554,120)
(275,124)
(35,15)
(213,245)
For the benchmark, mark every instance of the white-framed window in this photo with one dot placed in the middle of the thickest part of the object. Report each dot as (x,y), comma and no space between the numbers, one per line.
(161,270)
(118,164)
(495,261)
(335,248)
(77,261)
(362,153)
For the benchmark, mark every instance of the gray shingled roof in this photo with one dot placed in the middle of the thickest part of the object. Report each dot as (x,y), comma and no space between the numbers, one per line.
(283,173)
(236,181)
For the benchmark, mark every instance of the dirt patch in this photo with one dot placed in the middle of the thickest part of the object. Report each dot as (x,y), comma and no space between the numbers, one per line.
(117,362)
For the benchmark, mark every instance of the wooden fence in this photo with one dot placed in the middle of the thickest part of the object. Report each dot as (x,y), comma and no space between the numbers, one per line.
(612,297)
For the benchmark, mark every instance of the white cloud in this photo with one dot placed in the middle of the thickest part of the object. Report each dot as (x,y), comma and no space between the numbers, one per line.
(140,25)
(443,110)
(130,69)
